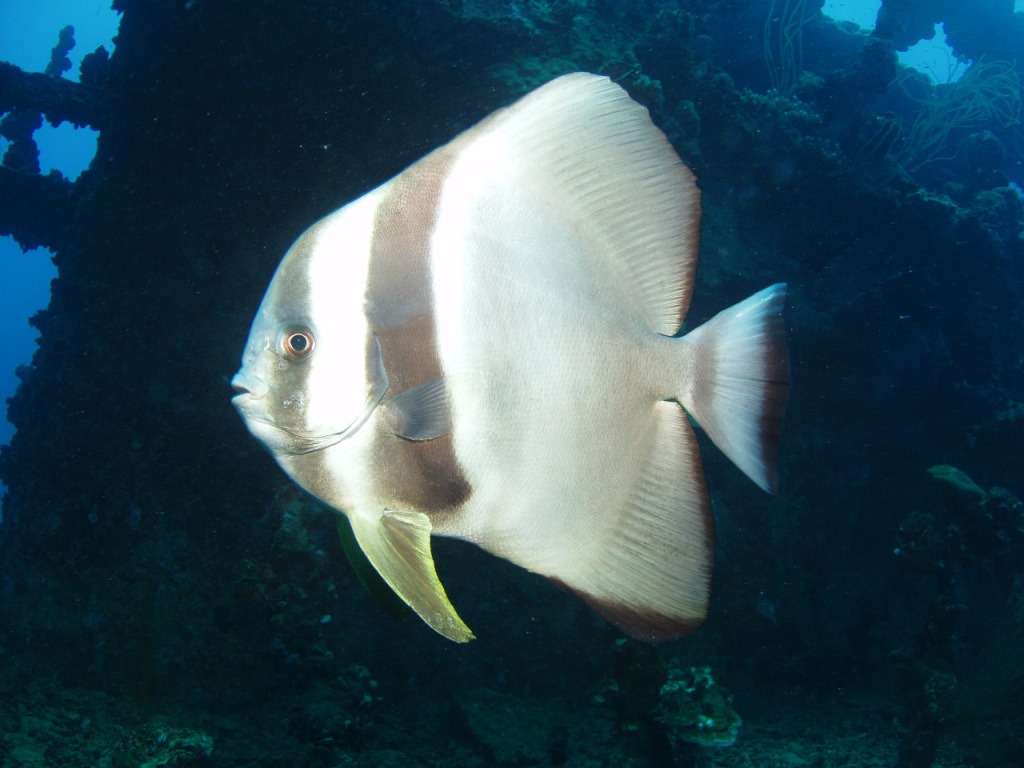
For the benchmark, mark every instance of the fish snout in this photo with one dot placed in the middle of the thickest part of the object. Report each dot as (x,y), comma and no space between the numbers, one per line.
(248,386)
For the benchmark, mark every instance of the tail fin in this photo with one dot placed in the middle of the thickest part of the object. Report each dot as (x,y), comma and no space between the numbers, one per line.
(738,382)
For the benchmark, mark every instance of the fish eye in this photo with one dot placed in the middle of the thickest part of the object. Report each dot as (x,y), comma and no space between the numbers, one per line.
(297,342)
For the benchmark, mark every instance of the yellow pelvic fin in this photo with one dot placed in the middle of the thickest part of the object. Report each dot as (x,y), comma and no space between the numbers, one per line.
(398,546)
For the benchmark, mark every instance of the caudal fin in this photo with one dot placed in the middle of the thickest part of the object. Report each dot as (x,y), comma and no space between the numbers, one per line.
(738,382)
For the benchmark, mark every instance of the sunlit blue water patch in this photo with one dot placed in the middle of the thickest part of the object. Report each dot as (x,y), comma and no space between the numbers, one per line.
(860,12)
(934,58)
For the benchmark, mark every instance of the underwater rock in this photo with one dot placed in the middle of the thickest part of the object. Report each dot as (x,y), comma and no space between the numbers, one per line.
(22,154)
(336,716)
(695,710)
(94,68)
(1001,212)
(56,98)
(512,730)
(159,746)
(989,706)
(974,527)
(36,208)
(59,61)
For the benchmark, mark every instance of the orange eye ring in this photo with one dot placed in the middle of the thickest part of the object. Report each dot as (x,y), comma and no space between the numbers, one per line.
(297,342)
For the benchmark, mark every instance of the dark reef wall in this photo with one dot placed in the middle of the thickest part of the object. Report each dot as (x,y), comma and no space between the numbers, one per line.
(144,528)
(134,490)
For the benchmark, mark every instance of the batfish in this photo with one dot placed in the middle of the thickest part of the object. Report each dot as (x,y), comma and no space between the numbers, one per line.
(488,347)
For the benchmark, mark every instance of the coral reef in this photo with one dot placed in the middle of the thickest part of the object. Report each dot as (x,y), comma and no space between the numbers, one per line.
(970,526)
(989,706)
(694,709)
(155,746)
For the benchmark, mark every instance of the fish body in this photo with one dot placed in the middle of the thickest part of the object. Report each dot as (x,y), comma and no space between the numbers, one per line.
(485,347)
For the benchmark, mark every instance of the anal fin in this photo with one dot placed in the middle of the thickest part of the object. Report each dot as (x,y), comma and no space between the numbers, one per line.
(367,574)
(397,543)
(651,576)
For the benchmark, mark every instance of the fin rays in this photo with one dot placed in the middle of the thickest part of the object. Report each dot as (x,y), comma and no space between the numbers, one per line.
(652,578)
(595,151)
(398,546)
(738,383)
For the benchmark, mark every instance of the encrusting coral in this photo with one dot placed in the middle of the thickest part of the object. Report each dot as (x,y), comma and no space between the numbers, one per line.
(696,710)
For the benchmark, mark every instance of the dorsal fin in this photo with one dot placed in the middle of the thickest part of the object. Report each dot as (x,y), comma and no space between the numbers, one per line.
(584,144)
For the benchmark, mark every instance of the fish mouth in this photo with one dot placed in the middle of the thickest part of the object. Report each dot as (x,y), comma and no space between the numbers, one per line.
(248,387)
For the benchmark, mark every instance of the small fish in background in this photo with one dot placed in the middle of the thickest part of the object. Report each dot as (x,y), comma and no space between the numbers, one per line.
(485,347)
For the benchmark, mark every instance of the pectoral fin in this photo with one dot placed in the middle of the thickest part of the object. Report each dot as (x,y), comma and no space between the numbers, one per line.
(398,546)
(420,413)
